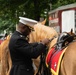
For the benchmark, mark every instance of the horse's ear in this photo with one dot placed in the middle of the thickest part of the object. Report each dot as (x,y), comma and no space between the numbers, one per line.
(43,22)
(71,31)
(8,37)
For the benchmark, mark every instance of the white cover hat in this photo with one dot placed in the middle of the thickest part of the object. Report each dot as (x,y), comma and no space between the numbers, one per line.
(27,21)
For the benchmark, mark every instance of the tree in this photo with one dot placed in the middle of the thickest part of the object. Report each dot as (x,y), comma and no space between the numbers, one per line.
(57,3)
(10,10)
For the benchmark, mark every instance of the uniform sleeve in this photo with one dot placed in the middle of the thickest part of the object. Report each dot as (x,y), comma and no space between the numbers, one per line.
(34,44)
(32,50)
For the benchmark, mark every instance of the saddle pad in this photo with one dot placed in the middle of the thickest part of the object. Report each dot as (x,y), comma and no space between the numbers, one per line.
(53,60)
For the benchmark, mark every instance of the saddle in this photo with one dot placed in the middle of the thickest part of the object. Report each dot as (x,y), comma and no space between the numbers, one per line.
(56,53)
(63,40)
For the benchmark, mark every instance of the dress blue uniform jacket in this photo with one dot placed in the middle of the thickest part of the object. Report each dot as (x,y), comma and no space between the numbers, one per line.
(22,53)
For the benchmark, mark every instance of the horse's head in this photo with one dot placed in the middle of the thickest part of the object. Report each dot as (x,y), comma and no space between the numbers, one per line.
(41,32)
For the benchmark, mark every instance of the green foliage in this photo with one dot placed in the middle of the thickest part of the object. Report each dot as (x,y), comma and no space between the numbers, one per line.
(10,10)
(57,3)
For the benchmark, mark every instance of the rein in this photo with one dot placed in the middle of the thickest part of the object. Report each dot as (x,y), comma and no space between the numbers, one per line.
(42,66)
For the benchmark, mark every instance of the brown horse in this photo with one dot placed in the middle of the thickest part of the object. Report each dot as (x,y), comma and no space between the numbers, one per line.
(5,57)
(68,64)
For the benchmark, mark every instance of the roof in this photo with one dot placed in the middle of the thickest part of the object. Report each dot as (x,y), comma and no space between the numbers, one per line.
(63,7)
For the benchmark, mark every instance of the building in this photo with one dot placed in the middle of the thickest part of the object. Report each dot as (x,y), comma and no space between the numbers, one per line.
(63,19)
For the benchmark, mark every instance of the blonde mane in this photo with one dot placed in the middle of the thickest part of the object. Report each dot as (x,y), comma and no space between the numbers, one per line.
(41,32)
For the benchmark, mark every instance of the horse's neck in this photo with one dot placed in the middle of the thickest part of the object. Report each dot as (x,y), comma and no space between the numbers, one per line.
(52,43)
(44,32)
(32,37)
(41,32)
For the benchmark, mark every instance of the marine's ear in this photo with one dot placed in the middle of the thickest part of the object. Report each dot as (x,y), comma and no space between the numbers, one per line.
(43,22)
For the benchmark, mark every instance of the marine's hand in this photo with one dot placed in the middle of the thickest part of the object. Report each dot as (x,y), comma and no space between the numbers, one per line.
(45,41)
